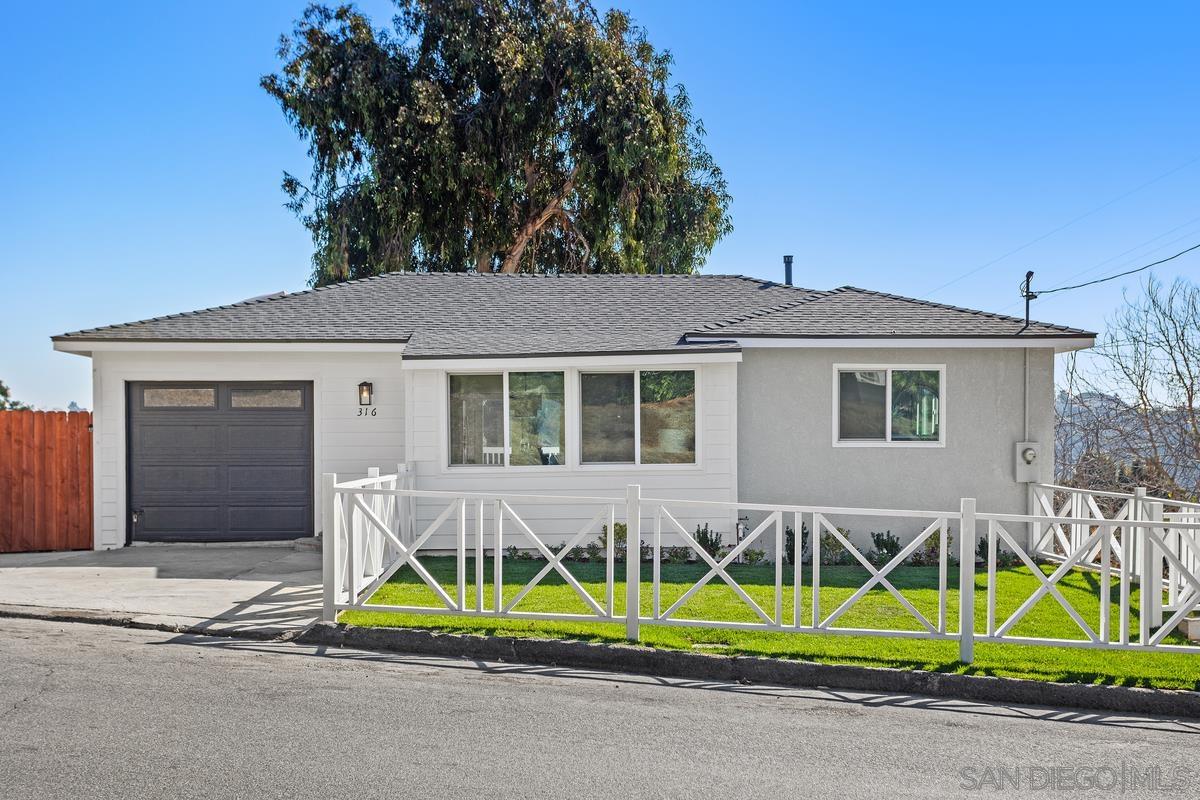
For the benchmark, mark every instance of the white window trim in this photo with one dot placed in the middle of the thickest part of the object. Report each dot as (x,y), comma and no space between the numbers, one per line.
(888,369)
(637,420)
(573,428)
(508,467)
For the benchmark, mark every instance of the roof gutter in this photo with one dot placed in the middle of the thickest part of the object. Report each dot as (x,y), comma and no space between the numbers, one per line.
(86,347)
(675,357)
(1061,344)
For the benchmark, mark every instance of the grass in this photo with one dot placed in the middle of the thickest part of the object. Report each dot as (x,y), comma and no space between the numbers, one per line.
(877,609)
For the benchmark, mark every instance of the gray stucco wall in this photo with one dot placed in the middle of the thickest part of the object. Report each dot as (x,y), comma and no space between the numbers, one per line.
(785,433)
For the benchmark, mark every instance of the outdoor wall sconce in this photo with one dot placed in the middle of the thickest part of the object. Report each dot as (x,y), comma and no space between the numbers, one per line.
(364,393)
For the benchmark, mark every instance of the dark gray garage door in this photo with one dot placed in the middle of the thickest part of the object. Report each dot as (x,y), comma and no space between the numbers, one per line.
(220,462)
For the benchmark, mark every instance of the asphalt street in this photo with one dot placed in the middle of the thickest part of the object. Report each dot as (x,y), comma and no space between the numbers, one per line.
(89,711)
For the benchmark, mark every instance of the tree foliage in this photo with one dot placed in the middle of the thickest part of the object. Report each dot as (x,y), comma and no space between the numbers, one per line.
(7,403)
(1130,415)
(509,135)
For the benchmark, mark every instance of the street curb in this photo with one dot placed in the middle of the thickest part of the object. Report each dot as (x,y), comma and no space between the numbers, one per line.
(136,622)
(676,663)
(757,670)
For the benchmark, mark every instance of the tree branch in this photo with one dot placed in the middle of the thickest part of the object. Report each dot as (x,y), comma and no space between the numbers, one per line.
(534,223)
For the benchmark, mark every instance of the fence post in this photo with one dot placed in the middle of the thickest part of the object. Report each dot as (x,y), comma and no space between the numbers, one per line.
(1155,569)
(633,561)
(1141,562)
(372,538)
(401,512)
(1129,549)
(407,513)
(1149,580)
(328,548)
(966,581)
(1031,529)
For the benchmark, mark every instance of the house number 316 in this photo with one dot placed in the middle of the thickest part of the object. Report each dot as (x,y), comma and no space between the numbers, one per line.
(367,412)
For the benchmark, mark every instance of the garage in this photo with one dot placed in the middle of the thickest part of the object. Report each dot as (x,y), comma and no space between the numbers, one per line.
(219,462)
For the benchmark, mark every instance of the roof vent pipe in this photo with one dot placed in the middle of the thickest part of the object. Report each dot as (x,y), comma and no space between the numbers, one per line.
(787,270)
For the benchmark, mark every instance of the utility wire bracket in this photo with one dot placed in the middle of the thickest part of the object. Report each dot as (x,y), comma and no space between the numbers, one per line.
(1029,295)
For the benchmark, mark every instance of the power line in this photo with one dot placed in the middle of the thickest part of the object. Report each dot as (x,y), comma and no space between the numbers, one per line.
(1129,261)
(1162,246)
(1119,274)
(1065,225)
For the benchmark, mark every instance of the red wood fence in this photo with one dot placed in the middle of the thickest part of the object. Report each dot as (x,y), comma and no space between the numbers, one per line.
(45,481)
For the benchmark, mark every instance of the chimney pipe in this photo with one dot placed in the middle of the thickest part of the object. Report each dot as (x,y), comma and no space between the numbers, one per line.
(787,270)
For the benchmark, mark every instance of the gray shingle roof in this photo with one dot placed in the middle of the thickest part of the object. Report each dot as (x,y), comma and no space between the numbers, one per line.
(458,315)
(862,313)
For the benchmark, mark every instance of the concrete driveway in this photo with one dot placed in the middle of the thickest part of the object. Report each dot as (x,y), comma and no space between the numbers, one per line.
(267,590)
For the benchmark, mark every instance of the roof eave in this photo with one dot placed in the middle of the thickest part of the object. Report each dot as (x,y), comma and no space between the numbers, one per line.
(1061,342)
(88,346)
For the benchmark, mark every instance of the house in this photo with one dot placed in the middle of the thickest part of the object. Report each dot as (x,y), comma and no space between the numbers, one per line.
(215,425)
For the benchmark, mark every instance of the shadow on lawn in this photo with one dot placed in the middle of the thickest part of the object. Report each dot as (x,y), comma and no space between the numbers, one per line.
(1090,677)
(519,571)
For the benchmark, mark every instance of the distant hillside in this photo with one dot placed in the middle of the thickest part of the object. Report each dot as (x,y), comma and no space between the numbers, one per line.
(1098,434)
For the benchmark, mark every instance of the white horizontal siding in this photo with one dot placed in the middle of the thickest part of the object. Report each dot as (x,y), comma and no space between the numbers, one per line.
(409,420)
(714,478)
(343,442)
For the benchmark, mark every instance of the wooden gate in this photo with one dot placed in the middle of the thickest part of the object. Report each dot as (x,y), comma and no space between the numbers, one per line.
(45,481)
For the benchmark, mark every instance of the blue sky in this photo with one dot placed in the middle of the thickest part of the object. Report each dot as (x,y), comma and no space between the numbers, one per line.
(896,148)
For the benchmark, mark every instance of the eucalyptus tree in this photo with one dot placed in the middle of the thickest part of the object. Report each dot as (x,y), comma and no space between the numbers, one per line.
(507,135)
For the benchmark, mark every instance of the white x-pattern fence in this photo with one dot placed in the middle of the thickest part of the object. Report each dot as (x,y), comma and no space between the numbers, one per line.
(1130,532)
(375,534)
(815,618)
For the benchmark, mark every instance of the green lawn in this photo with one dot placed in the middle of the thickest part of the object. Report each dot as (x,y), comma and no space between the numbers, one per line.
(877,609)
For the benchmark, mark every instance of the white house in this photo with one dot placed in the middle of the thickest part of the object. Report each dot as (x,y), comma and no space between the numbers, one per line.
(215,425)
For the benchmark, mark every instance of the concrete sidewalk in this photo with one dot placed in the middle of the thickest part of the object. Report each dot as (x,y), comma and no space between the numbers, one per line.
(266,591)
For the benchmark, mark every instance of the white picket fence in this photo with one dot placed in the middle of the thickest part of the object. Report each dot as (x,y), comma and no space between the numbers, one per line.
(373,522)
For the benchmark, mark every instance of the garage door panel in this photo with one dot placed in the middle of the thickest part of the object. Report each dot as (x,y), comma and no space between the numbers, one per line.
(281,478)
(173,439)
(180,518)
(269,438)
(178,478)
(228,471)
(261,519)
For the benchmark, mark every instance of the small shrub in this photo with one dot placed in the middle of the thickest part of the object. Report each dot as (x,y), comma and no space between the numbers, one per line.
(620,537)
(832,551)
(676,555)
(754,557)
(886,547)
(595,552)
(1005,559)
(620,533)
(557,548)
(517,554)
(576,554)
(927,554)
(708,539)
(646,552)
(789,546)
